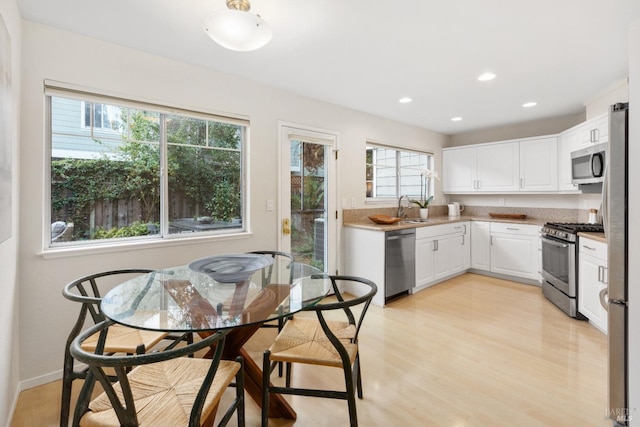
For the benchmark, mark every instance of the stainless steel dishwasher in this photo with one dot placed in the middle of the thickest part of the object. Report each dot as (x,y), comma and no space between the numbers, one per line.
(400,262)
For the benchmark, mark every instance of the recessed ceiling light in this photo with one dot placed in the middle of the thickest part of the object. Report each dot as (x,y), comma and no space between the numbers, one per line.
(405,100)
(529,104)
(456,119)
(486,77)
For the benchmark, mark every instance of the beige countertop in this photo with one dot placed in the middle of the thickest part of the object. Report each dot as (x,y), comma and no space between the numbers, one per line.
(366,223)
(598,237)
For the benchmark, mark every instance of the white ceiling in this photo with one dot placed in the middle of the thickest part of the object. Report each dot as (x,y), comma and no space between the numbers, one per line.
(366,54)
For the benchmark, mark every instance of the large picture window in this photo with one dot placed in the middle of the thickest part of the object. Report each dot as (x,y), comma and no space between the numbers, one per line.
(137,171)
(391,172)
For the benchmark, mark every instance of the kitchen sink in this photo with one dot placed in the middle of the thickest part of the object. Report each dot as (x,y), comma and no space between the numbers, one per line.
(415,221)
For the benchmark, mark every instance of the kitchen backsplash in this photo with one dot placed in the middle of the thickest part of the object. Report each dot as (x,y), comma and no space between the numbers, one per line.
(545,214)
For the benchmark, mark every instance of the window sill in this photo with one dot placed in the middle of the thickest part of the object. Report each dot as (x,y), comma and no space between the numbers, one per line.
(135,245)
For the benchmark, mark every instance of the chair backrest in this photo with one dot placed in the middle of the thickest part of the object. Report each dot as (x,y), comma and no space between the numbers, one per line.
(267,272)
(123,403)
(346,305)
(87,291)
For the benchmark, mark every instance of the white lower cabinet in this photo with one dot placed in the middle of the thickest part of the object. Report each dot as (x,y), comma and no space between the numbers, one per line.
(506,248)
(480,245)
(441,252)
(514,250)
(592,279)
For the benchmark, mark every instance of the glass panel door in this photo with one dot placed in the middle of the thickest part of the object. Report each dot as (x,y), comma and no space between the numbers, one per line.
(307,214)
(308,206)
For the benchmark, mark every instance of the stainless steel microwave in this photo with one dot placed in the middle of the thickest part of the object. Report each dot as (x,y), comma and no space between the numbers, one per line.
(587,165)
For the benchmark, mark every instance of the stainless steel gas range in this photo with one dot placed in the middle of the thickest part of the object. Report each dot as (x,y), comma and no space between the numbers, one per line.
(560,264)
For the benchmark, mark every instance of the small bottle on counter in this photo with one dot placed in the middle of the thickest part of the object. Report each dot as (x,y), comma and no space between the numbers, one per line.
(593,216)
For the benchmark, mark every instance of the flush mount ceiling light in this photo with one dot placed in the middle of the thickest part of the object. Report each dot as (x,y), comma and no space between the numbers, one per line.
(456,119)
(405,100)
(236,28)
(486,77)
(529,104)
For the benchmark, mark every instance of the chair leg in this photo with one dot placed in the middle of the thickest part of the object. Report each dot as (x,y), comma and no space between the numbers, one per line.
(288,375)
(67,381)
(266,364)
(351,396)
(240,393)
(358,375)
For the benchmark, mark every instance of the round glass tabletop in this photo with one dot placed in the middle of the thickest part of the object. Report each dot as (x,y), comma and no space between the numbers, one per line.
(188,298)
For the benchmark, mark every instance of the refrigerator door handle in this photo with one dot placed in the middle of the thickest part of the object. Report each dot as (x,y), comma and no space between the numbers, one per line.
(603,299)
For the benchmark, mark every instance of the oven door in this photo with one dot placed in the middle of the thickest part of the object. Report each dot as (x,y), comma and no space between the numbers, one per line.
(558,264)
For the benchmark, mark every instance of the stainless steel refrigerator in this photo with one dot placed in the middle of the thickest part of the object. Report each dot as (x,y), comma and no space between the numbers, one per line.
(615,297)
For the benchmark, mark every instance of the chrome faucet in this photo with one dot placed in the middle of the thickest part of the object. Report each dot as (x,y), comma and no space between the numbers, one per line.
(400,213)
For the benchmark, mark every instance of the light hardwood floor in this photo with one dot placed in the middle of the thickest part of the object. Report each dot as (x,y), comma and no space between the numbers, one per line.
(473,351)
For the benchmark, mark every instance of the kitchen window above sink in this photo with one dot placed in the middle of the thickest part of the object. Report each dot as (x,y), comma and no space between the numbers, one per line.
(392,172)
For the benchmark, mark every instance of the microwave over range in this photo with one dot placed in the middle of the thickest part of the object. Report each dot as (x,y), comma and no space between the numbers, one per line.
(587,165)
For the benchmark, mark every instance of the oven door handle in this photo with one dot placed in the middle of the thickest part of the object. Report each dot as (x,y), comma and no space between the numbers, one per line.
(554,243)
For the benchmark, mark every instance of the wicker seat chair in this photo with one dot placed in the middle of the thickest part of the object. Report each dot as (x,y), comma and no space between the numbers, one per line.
(159,389)
(266,279)
(320,341)
(87,291)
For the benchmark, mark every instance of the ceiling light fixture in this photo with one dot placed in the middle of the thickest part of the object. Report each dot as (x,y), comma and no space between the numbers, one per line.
(405,100)
(529,104)
(486,77)
(236,28)
(456,119)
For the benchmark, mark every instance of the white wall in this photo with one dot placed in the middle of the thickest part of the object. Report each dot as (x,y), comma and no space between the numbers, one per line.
(601,104)
(9,363)
(52,54)
(634,226)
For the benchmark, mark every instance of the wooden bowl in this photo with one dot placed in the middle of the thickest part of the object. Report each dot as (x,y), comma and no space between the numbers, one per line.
(384,219)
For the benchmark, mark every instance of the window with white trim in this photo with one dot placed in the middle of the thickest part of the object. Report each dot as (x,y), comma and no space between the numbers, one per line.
(392,172)
(141,171)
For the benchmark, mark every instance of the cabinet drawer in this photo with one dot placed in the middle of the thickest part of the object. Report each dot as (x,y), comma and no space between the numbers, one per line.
(442,230)
(593,248)
(510,228)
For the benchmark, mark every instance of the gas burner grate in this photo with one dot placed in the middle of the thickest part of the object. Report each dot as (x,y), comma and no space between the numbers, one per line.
(576,227)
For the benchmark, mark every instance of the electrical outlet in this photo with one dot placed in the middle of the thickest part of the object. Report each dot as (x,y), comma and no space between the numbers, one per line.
(353,202)
(501,201)
(269,205)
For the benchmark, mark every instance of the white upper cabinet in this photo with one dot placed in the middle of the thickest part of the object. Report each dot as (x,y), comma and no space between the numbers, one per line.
(498,167)
(568,142)
(504,167)
(594,131)
(459,171)
(539,164)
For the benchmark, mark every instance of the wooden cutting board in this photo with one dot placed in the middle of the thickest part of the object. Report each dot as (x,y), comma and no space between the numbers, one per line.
(507,216)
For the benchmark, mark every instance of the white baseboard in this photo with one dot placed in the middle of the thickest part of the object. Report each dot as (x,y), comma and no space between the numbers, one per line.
(37,381)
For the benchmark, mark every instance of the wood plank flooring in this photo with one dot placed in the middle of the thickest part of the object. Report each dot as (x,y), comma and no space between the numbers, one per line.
(472,351)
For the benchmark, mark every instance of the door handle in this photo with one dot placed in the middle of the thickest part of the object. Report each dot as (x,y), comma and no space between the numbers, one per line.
(286,226)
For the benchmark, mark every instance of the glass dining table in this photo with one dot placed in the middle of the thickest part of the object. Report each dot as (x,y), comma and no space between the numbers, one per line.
(237,292)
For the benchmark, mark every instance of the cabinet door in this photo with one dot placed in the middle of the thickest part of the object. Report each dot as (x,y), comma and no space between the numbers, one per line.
(594,131)
(480,245)
(589,292)
(460,254)
(515,255)
(498,167)
(425,267)
(567,143)
(459,170)
(442,258)
(539,164)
